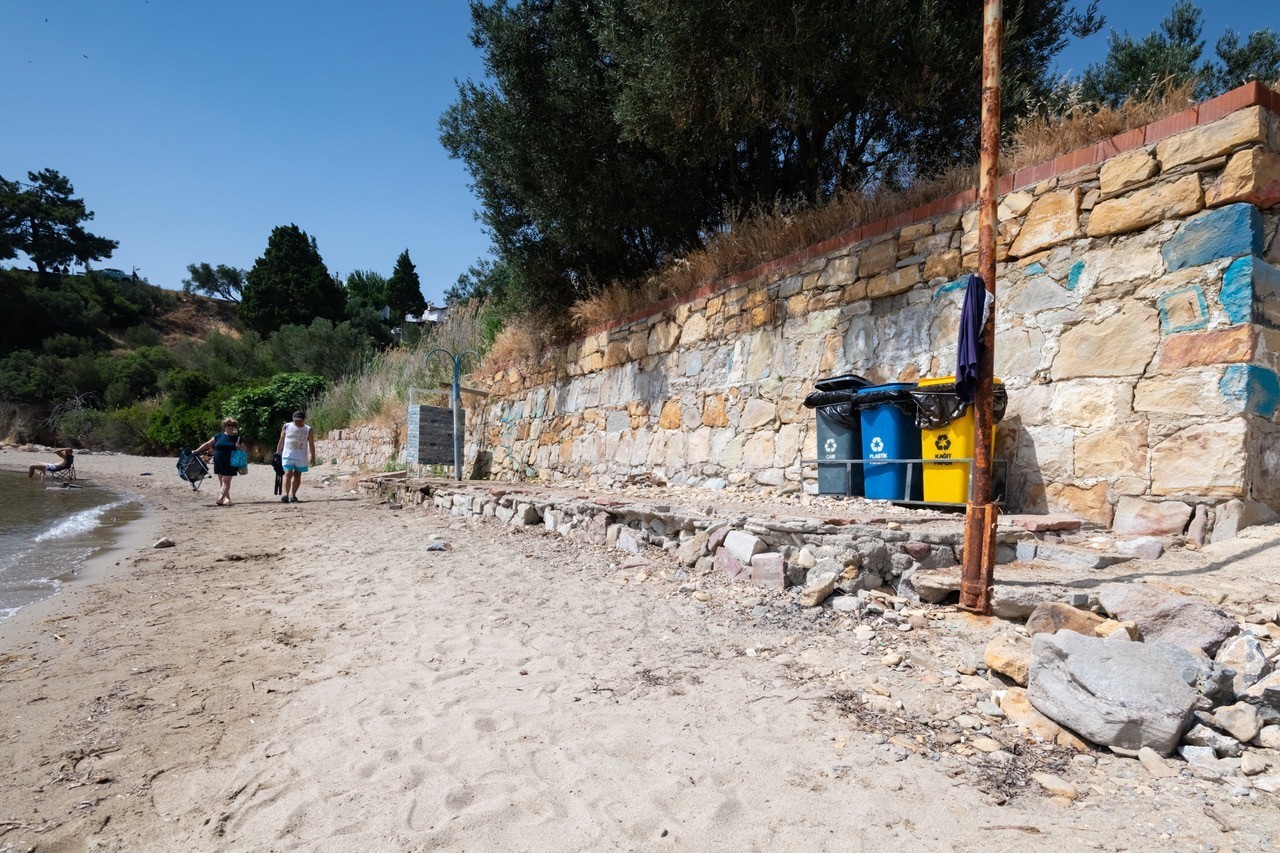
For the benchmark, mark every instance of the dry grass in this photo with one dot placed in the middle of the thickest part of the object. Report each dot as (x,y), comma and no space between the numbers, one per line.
(518,341)
(777,233)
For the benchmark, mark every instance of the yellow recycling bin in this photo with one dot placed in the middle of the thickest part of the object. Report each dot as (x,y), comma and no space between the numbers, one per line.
(948,482)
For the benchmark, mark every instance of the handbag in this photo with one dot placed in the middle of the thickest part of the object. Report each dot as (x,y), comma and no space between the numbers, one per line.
(240,460)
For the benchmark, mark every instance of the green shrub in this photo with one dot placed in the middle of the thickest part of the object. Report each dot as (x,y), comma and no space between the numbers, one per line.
(263,409)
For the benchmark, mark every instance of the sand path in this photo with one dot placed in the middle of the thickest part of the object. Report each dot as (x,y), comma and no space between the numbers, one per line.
(311,677)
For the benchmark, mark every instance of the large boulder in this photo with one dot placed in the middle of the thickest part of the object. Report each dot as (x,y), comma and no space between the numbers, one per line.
(1163,617)
(1127,695)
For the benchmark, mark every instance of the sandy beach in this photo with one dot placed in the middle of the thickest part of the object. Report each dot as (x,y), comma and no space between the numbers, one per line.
(312,677)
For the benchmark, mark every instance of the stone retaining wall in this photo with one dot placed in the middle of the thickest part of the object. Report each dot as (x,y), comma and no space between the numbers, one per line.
(1137,335)
(363,447)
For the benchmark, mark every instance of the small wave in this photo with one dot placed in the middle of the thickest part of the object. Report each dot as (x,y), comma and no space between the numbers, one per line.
(6,612)
(81,522)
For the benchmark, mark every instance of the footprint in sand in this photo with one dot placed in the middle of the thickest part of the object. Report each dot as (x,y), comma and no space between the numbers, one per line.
(459,798)
(485,724)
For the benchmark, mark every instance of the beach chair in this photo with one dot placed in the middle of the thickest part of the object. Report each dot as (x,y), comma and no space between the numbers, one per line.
(67,474)
(192,468)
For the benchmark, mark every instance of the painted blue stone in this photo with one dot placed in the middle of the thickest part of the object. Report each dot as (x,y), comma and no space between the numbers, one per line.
(1237,290)
(1202,314)
(1073,276)
(1227,232)
(951,286)
(1034,268)
(1258,388)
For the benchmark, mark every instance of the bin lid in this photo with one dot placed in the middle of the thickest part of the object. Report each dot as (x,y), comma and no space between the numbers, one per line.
(888,386)
(845,382)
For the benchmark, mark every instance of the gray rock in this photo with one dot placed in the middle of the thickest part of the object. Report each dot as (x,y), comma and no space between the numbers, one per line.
(716,483)
(1071,555)
(823,569)
(1155,765)
(1235,515)
(805,559)
(1143,548)
(1163,617)
(1116,694)
(818,591)
(743,546)
(526,514)
(1212,681)
(1199,755)
(693,548)
(627,542)
(1244,654)
(874,554)
(1268,737)
(704,565)
(933,587)
(1240,720)
(1222,745)
(899,563)
(1251,764)
(846,604)
(1012,602)
(163,542)
(1026,550)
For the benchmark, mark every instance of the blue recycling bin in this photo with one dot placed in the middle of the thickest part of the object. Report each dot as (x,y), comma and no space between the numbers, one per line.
(889,432)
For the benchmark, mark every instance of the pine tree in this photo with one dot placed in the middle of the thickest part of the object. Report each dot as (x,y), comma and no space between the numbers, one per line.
(289,285)
(404,290)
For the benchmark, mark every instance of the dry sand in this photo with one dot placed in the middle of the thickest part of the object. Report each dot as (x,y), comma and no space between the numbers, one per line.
(310,677)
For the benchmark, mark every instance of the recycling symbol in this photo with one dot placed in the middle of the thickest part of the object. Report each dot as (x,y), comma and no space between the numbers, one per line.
(942,442)
(877,444)
(830,446)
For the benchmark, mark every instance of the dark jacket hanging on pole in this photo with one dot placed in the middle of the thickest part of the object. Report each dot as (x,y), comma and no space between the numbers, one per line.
(973,316)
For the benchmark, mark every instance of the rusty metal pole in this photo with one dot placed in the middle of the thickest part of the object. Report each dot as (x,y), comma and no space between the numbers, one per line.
(980,516)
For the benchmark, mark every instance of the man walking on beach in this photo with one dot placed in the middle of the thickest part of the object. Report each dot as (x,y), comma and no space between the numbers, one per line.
(296,446)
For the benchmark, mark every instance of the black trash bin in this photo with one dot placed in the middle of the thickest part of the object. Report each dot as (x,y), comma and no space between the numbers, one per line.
(839,433)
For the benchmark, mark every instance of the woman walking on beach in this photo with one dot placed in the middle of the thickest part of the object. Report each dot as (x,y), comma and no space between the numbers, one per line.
(223,444)
(295,442)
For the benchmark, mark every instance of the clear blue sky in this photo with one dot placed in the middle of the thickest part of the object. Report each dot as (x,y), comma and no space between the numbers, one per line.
(193,129)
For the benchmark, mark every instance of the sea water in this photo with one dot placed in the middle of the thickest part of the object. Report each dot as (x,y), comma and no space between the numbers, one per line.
(47,531)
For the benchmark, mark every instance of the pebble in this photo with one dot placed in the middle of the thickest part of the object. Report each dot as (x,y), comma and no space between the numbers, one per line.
(864,633)
(906,627)
(1056,785)
(164,542)
(702,596)
(891,659)
(990,709)
(987,744)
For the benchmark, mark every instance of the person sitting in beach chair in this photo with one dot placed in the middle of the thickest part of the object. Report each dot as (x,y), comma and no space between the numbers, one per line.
(65,470)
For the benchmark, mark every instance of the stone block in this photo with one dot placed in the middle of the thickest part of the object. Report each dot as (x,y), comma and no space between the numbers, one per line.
(713,411)
(1087,502)
(1192,393)
(1206,460)
(946,264)
(670,417)
(743,546)
(1050,617)
(1227,232)
(1251,176)
(1127,695)
(1125,170)
(1038,294)
(1251,388)
(1233,345)
(1009,656)
(878,258)
(1113,452)
(1168,200)
(1054,218)
(526,514)
(694,329)
(818,591)
(1243,127)
(1183,310)
(1137,517)
(769,570)
(1072,555)
(1165,617)
(1090,403)
(1025,550)
(1042,523)
(756,414)
(1235,515)
(1121,345)
(1014,204)
(729,565)
(891,283)
(1018,352)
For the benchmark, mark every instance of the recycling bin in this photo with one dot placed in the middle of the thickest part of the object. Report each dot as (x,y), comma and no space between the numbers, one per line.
(889,431)
(839,434)
(946,432)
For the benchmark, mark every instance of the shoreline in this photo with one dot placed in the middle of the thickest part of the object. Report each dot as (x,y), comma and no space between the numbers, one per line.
(124,540)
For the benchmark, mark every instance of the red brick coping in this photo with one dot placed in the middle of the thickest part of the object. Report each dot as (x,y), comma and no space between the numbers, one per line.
(1249,95)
